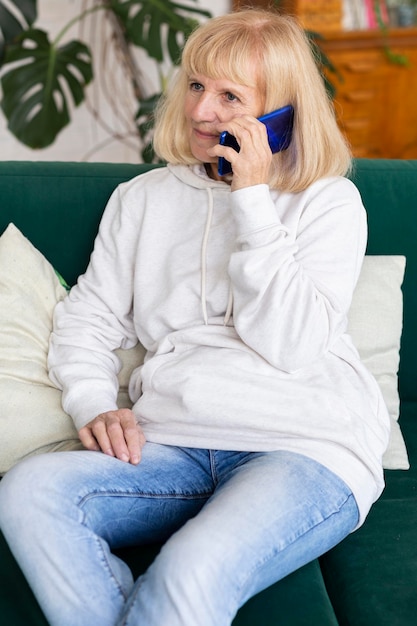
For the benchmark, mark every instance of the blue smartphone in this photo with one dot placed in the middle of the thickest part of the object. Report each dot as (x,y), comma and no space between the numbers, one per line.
(279,126)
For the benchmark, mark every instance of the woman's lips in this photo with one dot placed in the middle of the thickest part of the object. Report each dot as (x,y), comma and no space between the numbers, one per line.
(206,135)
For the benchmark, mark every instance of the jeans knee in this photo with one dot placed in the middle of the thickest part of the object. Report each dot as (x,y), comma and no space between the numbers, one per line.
(191,588)
(187,569)
(23,487)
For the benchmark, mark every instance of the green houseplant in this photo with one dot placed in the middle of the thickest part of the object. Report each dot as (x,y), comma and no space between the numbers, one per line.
(42,79)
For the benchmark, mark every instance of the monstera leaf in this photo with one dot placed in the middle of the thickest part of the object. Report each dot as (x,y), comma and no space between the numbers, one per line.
(44,82)
(145,121)
(15,16)
(150,24)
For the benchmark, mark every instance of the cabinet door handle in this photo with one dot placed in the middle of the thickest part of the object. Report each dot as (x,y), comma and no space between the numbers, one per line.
(360,66)
(359,96)
(356,124)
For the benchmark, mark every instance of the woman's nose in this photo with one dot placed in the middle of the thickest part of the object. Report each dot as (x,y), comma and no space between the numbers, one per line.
(205,109)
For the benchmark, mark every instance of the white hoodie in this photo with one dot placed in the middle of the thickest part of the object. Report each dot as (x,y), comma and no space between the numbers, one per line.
(241,300)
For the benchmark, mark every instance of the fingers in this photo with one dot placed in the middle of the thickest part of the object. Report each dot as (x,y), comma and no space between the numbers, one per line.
(87,439)
(115,433)
(252,165)
(133,439)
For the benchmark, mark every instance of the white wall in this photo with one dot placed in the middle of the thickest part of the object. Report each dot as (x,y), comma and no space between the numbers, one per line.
(85,138)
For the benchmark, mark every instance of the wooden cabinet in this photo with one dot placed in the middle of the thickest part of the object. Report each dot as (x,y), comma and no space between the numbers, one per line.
(376,101)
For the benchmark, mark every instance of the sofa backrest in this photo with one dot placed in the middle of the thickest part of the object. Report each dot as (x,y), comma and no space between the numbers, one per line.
(58,207)
(56,204)
(389,193)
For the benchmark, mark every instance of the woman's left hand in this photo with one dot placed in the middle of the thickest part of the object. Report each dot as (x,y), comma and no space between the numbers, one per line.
(252,165)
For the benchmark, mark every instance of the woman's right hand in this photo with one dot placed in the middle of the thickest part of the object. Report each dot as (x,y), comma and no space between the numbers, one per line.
(252,164)
(115,433)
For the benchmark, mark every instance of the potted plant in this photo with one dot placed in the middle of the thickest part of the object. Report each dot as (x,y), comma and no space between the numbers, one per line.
(43,79)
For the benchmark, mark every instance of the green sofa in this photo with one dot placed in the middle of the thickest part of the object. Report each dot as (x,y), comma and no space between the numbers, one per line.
(371,578)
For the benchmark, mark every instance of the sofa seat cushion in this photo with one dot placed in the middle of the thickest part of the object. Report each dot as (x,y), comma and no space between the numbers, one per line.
(371,576)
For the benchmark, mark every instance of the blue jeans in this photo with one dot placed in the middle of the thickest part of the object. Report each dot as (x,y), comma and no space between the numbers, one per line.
(233,523)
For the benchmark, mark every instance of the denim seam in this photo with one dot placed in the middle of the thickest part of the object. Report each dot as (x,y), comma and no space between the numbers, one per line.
(167,496)
(213,468)
(275,552)
(107,566)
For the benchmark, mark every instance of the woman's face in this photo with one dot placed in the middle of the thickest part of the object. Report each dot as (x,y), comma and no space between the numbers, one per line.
(211,103)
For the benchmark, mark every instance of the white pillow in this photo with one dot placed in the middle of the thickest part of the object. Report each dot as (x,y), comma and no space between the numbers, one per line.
(31,416)
(375,325)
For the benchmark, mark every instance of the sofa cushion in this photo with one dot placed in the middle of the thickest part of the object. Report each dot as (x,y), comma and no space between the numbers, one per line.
(32,419)
(375,324)
(371,576)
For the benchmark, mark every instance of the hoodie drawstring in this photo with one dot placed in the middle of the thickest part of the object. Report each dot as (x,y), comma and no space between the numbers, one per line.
(207,228)
(204,255)
(229,309)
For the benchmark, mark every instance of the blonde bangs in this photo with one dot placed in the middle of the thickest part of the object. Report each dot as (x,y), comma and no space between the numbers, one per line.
(217,55)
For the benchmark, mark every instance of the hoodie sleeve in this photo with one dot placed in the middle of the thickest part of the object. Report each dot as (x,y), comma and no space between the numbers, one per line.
(292,288)
(94,319)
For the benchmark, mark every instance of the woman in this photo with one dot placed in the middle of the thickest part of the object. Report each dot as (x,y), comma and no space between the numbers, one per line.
(256,435)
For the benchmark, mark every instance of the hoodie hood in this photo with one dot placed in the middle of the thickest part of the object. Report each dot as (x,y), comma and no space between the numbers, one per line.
(197,177)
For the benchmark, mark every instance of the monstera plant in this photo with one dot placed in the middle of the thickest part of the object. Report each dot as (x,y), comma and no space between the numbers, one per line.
(43,79)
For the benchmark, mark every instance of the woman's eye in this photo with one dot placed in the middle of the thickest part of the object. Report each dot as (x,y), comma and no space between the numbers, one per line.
(194,86)
(231,96)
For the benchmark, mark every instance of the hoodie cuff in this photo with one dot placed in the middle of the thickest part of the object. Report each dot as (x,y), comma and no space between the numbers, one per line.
(253,209)
(86,401)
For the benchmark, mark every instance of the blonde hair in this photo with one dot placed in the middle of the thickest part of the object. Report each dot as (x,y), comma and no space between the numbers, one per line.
(230,46)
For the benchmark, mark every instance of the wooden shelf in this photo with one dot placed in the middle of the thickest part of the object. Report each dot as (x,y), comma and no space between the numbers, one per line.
(376,100)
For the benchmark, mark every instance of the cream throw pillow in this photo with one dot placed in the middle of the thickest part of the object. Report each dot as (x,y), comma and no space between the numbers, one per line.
(32,419)
(31,416)
(375,325)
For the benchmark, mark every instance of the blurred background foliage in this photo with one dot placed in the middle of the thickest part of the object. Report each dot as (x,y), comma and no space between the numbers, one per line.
(44,78)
